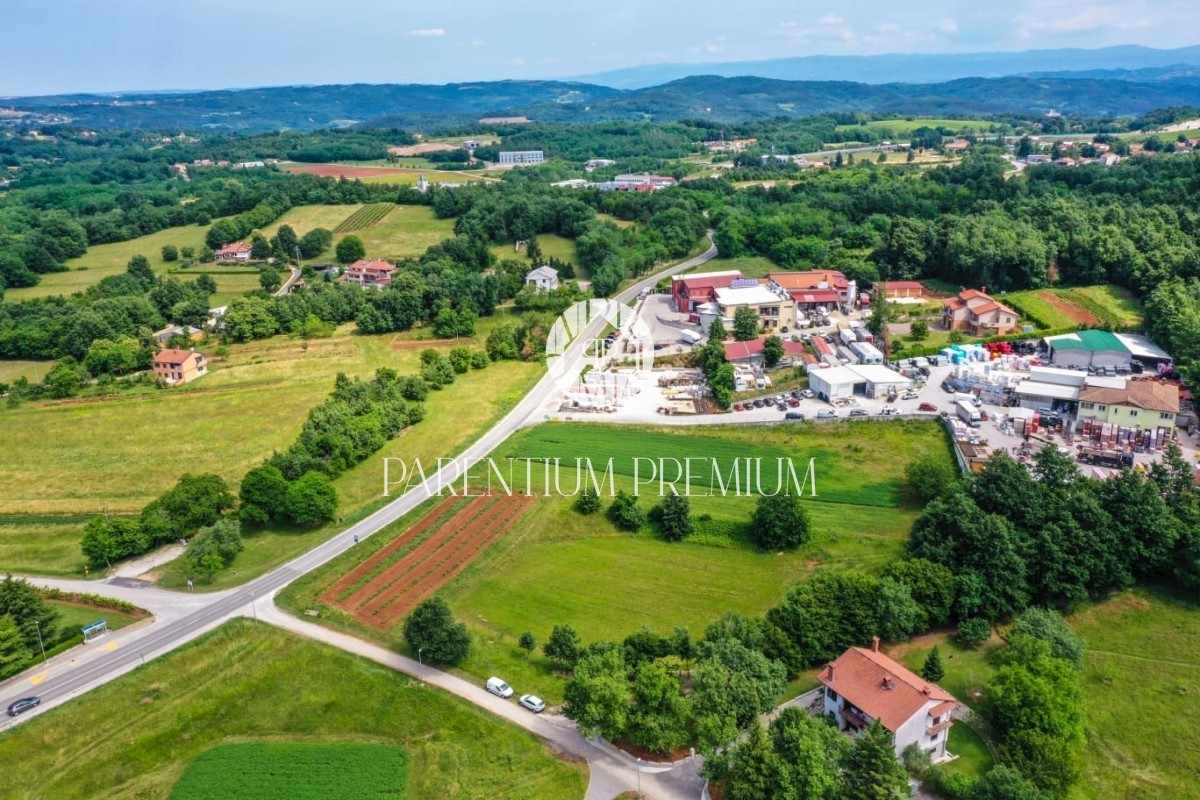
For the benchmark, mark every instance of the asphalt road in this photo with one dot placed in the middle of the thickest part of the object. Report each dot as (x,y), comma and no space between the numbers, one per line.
(61,685)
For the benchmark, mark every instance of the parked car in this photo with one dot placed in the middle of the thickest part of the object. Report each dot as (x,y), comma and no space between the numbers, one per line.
(793,415)
(534,703)
(23,705)
(826,413)
(738,407)
(927,407)
(758,402)
(808,394)
(858,412)
(794,403)
(796,394)
(498,687)
(909,395)
(889,411)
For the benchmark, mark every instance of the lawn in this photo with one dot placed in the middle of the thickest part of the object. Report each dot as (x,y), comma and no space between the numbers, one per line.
(907,126)
(111,455)
(553,246)
(750,266)
(555,566)
(135,737)
(103,260)
(72,617)
(296,771)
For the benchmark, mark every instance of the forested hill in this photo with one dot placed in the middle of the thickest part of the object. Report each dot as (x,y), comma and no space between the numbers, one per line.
(703,97)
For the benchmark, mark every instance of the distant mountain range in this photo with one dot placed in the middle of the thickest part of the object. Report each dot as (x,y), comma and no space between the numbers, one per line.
(1103,88)
(907,67)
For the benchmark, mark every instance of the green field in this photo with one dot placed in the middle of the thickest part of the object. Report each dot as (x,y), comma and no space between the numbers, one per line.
(406,231)
(133,738)
(1113,306)
(102,260)
(555,566)
(907,126)
(32,371)
(72,617)
(296,771)
(750,266)
(553,246)
(97,455)
(433,176)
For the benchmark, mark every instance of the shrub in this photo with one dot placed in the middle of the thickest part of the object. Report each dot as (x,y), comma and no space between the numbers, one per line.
(974,631)
(780,523)
(588,501)
(625,513)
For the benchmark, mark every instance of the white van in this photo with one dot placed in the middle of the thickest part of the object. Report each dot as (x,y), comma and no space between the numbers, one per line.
(498,687)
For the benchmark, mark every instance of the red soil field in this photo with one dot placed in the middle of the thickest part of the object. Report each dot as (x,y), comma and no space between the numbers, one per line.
(386,598)
(1078,315)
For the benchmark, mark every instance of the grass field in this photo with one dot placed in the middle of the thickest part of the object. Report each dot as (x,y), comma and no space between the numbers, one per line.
(72,617)
(33,371)
(296,771)
(552,245)
(907,126)
(750,266)
(433,176)
(133,738)
(88,457)
(103,260)
(555,566)
(405,231)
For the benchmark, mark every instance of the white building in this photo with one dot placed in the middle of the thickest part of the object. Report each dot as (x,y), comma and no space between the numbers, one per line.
(598,163)
(868,380)
(642,180)
(864,686)
(522,157)
(544,279)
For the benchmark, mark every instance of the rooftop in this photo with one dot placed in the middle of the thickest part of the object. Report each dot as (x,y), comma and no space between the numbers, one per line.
(882,687)
(172,356)
(1148,395)
(859,373)
(745,295)
(809,279)
(1092,340)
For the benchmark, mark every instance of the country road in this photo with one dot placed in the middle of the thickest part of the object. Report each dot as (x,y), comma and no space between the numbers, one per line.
(181,621)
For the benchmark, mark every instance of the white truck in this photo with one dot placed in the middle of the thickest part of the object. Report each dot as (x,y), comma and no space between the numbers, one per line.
(967,413)
(691,337)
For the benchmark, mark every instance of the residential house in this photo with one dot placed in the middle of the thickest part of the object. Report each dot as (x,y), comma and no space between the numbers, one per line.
(543,279)
(376,274)
(974,311)
(190,332)
(957,146)
(1139,404)
(864,686)
(179,366)
(234,251)
(692,291)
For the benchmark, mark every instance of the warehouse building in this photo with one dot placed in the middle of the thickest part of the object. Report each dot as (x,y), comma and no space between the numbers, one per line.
(1092,348)
(867,380)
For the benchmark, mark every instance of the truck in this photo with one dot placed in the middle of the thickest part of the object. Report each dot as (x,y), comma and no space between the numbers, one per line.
(967,397)
(967,413)
(867,353)
(1115,459)
(847,336)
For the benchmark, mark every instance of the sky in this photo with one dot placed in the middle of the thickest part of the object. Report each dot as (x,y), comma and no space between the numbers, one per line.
(61,46)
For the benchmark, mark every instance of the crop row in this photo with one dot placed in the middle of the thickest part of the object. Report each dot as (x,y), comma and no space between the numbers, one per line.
(364,217)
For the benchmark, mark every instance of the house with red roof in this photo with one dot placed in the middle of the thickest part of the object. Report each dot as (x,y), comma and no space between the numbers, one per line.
(172,366)
(752,351)
(234,251)
(375,274)
(974,311)
(812,288)
(897,290)
(690,291)
(864,685)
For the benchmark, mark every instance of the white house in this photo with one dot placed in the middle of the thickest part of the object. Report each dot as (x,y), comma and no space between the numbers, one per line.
(863,686)
(543,279)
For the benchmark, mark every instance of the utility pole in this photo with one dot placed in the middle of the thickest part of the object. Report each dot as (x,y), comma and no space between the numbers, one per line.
(41,644)
(421,661)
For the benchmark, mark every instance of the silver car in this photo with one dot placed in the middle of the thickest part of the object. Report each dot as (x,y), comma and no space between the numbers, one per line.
(532,702)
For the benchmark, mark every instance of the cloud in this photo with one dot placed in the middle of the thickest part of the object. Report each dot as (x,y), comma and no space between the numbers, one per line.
(478,43)
(427,32)
(1063,19)
(831,19)
(947,25)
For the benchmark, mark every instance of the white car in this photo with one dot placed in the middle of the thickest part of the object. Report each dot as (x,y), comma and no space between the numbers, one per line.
(534,703)
(889,411)
(909,396)
(499,688)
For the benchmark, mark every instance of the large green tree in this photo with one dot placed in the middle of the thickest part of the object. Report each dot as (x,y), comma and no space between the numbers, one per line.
(872,770)
(432,629)
(780,522)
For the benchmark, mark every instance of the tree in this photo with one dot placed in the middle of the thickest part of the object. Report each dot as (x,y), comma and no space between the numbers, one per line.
(108,540)
(214,547)
(772,351)
(780,523)
(260,248)
(930,477)
(716,331)
(598,695)
(1048,626)
(533,250)
(1003,783)
(432,629)
(564,646)
(659,716)
(625,513)
(898,614)
(931,585)
(170,252)
(15,655)
(23,602)
(754,768)
(919,330)
(974,631)
(872,770)
(311,499)
(932,670)
(349,250)
(269,278)
(460,359)
(527,643)
(674,517)
(588,501)
(195,501)
(139,268)
(745,324)
(263,495)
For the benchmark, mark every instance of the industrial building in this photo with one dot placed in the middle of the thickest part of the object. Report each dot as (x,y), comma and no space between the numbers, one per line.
(867,380)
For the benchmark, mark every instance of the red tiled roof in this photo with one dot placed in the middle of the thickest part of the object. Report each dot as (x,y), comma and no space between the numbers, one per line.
(170,356)
(234,247)
(881,687)
(735,351)
(887,285)
(809,279)
(826,296)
